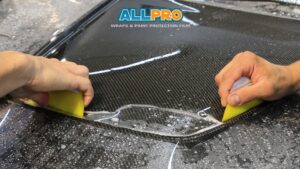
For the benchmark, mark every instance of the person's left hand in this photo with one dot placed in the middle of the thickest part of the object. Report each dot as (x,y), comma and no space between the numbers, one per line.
(47,75)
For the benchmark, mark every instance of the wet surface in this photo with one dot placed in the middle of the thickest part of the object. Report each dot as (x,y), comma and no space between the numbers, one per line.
(180,77)
(28,25)
(156,120)
(288,9)
(38,139)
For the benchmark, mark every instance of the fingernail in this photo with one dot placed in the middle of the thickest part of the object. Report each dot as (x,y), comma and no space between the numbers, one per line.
(30,102)
(234,100)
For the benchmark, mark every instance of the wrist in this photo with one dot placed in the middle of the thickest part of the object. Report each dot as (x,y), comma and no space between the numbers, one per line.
(294,71)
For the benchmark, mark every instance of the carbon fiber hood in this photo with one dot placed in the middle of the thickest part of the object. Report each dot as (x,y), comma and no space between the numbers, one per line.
(169,68)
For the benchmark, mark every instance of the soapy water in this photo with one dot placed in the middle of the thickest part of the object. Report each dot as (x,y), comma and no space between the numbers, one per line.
(156,120)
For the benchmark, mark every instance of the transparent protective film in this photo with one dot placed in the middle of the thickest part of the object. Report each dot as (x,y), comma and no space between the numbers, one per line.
(156,120)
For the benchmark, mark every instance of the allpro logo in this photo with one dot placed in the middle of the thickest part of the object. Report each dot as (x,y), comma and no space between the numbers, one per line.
(146,15)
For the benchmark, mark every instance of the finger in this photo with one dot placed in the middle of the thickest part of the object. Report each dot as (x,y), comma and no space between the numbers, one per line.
(228,79)
(218,77)
(41,98)
(21,93)
(84,85)
(72,64)
(88,92)
(82,71)
(54,59)
(247,94)
(77,69)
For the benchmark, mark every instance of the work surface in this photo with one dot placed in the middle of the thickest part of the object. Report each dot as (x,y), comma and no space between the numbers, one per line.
(183,79)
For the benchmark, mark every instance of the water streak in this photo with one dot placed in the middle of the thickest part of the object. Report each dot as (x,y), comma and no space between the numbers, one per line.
(189,8)
(172,156)
(3,120)
(136,63)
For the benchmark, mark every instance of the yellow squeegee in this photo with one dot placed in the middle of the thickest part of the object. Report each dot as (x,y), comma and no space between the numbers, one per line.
(71,103)
(230,111)
(65,102)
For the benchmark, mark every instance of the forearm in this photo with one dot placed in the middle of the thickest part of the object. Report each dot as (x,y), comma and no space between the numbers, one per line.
(14,71)
(295,72)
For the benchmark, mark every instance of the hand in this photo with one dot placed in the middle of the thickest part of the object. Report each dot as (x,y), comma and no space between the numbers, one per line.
(51,75)
(269,81)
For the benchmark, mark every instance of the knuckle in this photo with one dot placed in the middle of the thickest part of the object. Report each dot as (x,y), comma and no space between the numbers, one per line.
(54,59)
(237,56)
(219,92)
(245,55)
(217,79)
(72,63)
(86,83)
(226,76)
(84,69)
(249,55)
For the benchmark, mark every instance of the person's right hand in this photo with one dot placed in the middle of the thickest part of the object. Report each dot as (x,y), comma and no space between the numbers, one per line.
(269,81)
(52,75)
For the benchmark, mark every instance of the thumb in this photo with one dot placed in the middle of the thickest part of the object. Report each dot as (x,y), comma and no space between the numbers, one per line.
(245,94)
(40,97)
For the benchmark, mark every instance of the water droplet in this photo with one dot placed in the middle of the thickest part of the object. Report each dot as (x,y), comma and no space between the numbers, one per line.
(202,114)
(63,146)
(106,134)
(53,39)
(114,119)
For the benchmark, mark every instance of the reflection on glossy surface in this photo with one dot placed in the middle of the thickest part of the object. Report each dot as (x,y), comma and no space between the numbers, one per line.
(140,63)
(187,20)
(186,8)
(4,118)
